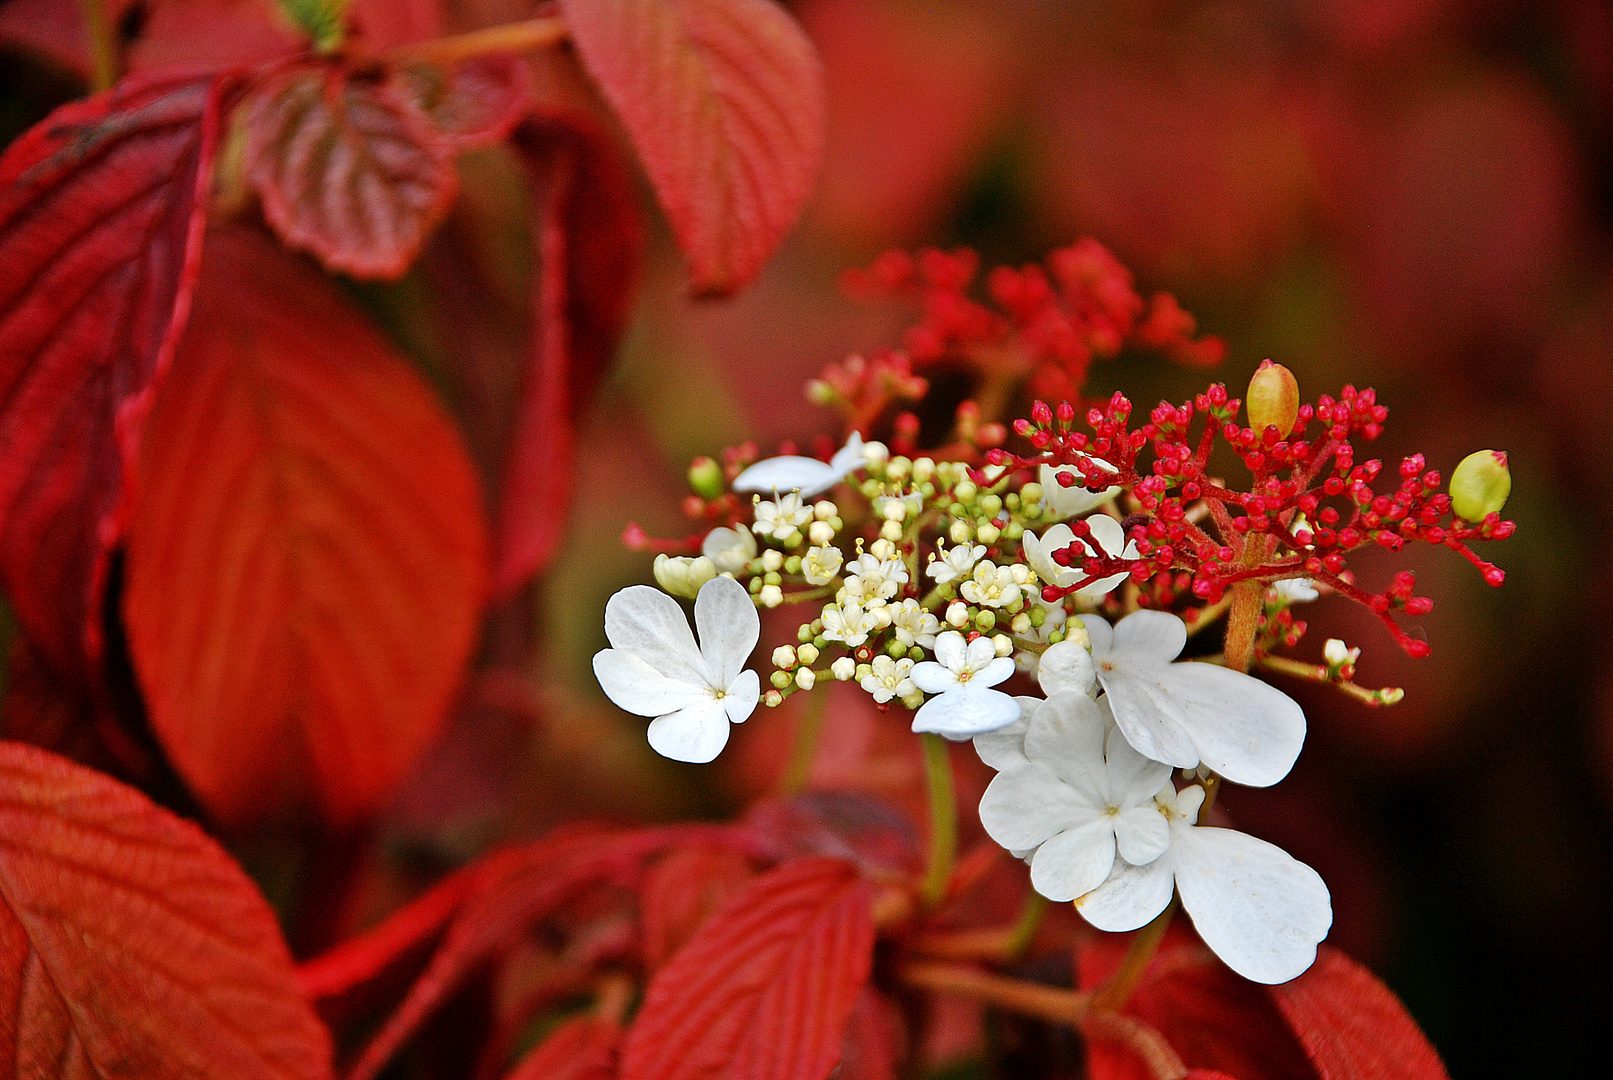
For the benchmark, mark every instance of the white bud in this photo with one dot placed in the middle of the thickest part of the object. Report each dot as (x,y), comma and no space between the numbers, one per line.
(823,510)
(784,657)
(882,549)
(988,533)
(891,530)
(1021,624)
(876,452)
(805,679)
(961,532)
(958,614)
(808,653)
(683,576)
(894,510)
(1335,652)
(820,533)
(772,699)
(923,469)
(1002,644)
(844,668)
(772,560)
(771,596)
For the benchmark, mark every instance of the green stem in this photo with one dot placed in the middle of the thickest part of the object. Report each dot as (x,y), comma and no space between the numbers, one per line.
(943,817)
(1030,921)
(1118,990)
(805,748)
(103,45)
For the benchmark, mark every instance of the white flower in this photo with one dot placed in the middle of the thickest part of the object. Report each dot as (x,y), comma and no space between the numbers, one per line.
(731,549)
(1105,532)
(1062,502)
(874,579)
(914,625)
(1182,714)
(995,586)
(807,475)
(1258,908)
(780,519)
(653,667)
(954,564)
(821,564)
(1296,590)
(1079,793)
(961,677)
(848,623)
(683,576)
(890,678)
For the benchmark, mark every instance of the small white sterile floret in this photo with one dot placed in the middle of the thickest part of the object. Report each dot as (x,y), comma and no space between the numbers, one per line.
(1260,910)
(961,677)
(782,518)
(654,667)
(731,549)
(1105,532)
(821,564)
(1060,502)
(1248,731)
(807,475)
(954,564)
(913,624)
(889,678)
(847,623)
(993,585)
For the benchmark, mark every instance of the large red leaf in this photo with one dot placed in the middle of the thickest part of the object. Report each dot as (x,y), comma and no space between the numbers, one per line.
(307,557)
(764,991)
(586,238)
(474,103)
(1352,1026)
(130,944)
(102,208)
(723,100)
(349,168)
(583,1048)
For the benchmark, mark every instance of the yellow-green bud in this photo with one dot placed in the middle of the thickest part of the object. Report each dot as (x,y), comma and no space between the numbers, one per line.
(808,653)
(683,576)
(1480,485)
(705,478)
(966,491)
(1273,399)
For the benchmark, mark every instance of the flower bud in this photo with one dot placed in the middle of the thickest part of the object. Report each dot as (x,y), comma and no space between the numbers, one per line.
(772,560)
(961,532)
(771,596)
(772,699)
(1480,485)
(820,533)
(1273,399)
(808,653)
(784,657)
(891,530)
(844,668)
(1003,644)
(988,533)
(805,678)
(683,576)
(705,478)
(958,615)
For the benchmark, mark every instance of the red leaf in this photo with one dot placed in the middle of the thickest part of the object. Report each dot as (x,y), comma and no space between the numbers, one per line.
(765,990)
(723,100)
(681,892)
(586,246)
(347,168)
(306,557)
(1352,1026)
(583,1048)
(876,1040)
(130,944)
(475,103)
(102,208)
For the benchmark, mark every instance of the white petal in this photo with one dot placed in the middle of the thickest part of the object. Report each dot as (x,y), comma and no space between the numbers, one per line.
(998,670)
(1247,730)
(649,624)
(1260,909)
(1101,633)
(1039,553)
(1005,748)
(729,627)
(1150,718)
(1070,501)
(1142,833)
(1149,635)
(785,474)
(1074,862)
(966,712)
(1024,806)
(933,678)
(1103,586)
(1129,776)
(1066,735)
(1107,534)
(743,694)
(637,687)
(848,457)
(1131,897)
(951,650)
(696,734)
(978,653)
(1067,667)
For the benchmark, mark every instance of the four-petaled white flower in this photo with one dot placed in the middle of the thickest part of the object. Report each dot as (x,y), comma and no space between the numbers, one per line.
(890,678)
(1295,590)
(1105,532)
(995,586)
(1258,908)
(779,519)
(913,624)
(848,623)
(1183,714)
(1062,502)
(961,677)
(821,565)
(731,549)
(809,476)
(654,668)
(954,563)
(872,580)
(1077,793)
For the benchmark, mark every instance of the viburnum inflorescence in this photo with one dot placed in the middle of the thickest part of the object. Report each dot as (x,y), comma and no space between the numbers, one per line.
(1083,556)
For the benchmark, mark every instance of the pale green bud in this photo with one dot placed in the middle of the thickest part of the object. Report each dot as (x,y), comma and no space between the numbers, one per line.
(683,576)
(1480,485)
(705,478)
